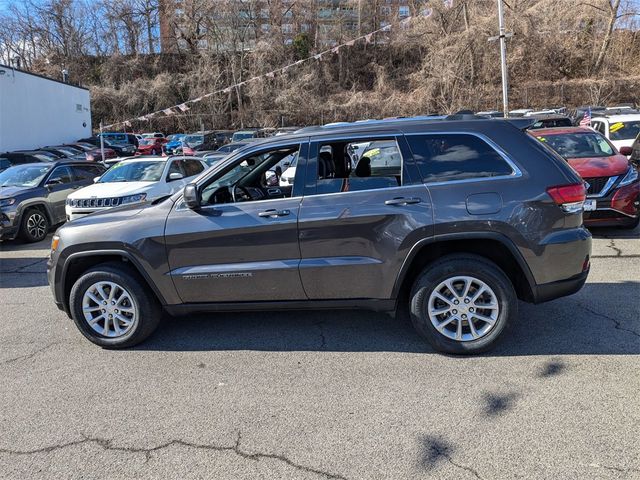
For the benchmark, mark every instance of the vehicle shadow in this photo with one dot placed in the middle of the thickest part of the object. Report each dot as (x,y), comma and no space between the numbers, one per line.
(23,272)
(615,233)
(18,245)
(597,320)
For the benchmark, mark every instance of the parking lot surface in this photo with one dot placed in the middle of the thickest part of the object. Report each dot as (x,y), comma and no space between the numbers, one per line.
(326,394)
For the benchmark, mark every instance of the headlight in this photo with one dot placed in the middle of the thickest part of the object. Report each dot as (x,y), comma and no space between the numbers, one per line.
(138,197)
(5,202)
(630,177)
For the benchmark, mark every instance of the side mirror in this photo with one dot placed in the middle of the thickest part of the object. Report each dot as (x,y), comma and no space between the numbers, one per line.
(175,176)
(54,181)
(626,151)
(95,179)
(190,196)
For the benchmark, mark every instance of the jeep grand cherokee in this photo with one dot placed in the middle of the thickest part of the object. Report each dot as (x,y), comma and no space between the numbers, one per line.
(465,217)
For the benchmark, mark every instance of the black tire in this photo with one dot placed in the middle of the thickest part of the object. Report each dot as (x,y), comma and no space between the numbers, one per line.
(461,265)
(149,310)
(34,226)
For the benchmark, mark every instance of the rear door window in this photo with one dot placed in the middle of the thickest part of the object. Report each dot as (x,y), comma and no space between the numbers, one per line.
(450,157)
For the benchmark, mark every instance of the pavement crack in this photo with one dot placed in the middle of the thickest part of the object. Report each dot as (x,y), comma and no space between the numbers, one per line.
(27,356)
(612,246)
(323,339)
(444,453)
(22,267)
(616,323)
(614,468)
(236,448)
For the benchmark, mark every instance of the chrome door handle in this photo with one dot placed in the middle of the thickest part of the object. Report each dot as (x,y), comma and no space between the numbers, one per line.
(402,201)
(274,213)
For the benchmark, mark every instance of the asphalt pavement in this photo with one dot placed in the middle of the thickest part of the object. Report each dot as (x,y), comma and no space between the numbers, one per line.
(324,394)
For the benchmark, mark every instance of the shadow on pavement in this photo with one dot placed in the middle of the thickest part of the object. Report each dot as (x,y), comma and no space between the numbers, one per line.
(23,272)
(18,245)
(587,323)
(614,233)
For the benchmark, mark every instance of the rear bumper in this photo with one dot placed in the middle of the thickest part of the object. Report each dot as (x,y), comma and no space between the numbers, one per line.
(561,288)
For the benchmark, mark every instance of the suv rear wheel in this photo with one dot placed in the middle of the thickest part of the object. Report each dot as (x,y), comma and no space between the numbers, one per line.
(462,303)
(112,308)
(34,226)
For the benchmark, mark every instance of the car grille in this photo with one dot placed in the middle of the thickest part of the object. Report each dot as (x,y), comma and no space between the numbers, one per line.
(596,184)
(94,202)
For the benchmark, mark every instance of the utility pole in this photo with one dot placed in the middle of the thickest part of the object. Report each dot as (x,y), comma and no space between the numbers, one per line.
(503,35)
(101,142)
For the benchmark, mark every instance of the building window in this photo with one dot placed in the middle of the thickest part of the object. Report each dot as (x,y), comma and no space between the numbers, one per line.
(403,11)
(384,10)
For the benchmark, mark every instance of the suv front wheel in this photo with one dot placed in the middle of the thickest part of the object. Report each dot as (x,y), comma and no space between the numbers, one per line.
(462,303)
(112,307)
(34,226)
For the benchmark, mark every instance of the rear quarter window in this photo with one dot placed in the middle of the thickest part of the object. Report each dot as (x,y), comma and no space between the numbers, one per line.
(449,157)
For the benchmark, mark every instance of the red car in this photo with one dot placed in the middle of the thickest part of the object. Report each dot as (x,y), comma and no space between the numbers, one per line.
(150,146)
(613,192)
(95,155)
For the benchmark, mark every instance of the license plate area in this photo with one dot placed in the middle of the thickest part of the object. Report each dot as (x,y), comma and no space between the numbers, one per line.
(589,205)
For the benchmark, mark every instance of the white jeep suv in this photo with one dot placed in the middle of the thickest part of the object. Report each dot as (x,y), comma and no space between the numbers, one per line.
(139,179)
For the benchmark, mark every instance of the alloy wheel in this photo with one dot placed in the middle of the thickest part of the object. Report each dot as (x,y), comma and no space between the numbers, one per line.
(463,308)
(109,309)
(37,225)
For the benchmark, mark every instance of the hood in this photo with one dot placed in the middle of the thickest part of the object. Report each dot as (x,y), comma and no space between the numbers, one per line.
(600,166)
(111,215)
(112,189)
(8,192)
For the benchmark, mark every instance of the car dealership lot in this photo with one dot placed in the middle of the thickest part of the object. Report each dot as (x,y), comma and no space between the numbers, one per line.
(335,394)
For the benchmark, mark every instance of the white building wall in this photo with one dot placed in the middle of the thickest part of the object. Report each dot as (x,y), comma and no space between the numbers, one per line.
(36,111)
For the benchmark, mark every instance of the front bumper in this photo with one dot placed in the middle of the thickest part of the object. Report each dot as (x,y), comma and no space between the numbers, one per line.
(9,224)
(620,206)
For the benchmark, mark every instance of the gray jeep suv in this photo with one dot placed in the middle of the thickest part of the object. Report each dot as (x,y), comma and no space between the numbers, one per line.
(454,218)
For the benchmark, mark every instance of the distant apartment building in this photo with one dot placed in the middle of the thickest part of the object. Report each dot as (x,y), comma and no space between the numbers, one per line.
(224,25)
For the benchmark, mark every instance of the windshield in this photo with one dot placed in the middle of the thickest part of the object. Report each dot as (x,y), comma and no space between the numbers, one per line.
(67,151)
(194,139)
(23,175)
(48,156)
(579,145)
(242,135)
(231,147)
(146,141)
(176,137)
(134,172)
(624,130)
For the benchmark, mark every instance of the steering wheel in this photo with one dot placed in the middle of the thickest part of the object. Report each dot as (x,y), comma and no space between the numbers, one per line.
(243,190)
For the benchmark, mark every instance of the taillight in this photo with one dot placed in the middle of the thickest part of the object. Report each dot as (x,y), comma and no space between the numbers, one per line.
(570,197)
